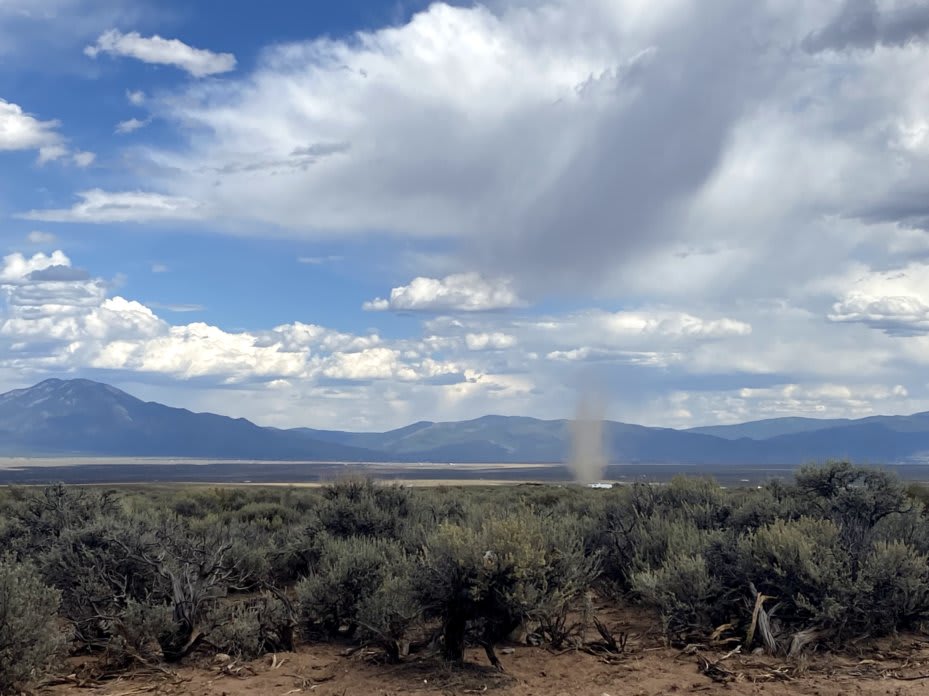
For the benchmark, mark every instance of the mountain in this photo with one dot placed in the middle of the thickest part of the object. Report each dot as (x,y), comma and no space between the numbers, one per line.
(527,440)
(81,417)
(774,427)
(486,439)
(771,427)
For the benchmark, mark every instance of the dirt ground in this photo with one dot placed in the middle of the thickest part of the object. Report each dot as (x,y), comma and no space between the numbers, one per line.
(646,667)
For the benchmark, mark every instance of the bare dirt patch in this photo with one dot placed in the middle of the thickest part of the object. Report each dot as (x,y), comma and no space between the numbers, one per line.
(646,667)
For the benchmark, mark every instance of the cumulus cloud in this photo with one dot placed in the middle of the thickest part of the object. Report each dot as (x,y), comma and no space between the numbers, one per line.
(17,267)
(385,364)
(896,302)
(22,131)
(812,400)
(57,317)
(136,97)
(489,341)
(820,400)
(156,50)
(895,314)
(459,292)
(97,205)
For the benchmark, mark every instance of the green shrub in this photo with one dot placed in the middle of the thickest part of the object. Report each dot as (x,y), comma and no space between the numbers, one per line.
(30,640)
(254,627)
(856,498)
(893,589)
(756,508)
(136,632)
(802,564)
(270,515)
(683,590)
(919,492)
(697,500)
(349,572)
(498,575)
(294,552)
(150,574)
(910,527)
(385,616)
(96,576)
(361,507)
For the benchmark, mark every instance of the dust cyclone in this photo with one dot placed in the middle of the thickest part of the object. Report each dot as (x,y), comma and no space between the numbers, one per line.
(588,459)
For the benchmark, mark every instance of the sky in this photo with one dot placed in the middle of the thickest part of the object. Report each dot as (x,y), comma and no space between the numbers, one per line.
(362,214)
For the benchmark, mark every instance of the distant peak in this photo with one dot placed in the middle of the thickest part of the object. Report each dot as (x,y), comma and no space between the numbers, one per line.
(76,382)
(55,385)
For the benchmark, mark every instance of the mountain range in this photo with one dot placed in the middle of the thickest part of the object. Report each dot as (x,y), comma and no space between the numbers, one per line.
(80,417)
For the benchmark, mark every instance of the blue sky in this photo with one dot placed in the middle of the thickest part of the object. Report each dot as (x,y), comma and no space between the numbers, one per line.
(363,214)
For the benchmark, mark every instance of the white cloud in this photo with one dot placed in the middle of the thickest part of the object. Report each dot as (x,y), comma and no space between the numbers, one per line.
(101,206)
(22,131)
(51,153)
(539,157)
(896,302)
(83,159)
(598,334)
(135,97)
(813,400)
(159,268)
(130,125)
(463,292)
(489,341)
(17,267)
(755,255)
(620,357)
(39,237)
(156,50)
(383,364)
(402,168)
(58,318)
(200,350)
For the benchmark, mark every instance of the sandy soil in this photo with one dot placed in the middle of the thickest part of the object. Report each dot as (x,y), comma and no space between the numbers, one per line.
(897,667)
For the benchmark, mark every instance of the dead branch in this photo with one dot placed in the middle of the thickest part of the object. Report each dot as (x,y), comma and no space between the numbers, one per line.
(762,622)
(715,671)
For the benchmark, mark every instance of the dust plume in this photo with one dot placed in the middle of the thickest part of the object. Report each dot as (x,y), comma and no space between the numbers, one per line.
(588,459)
